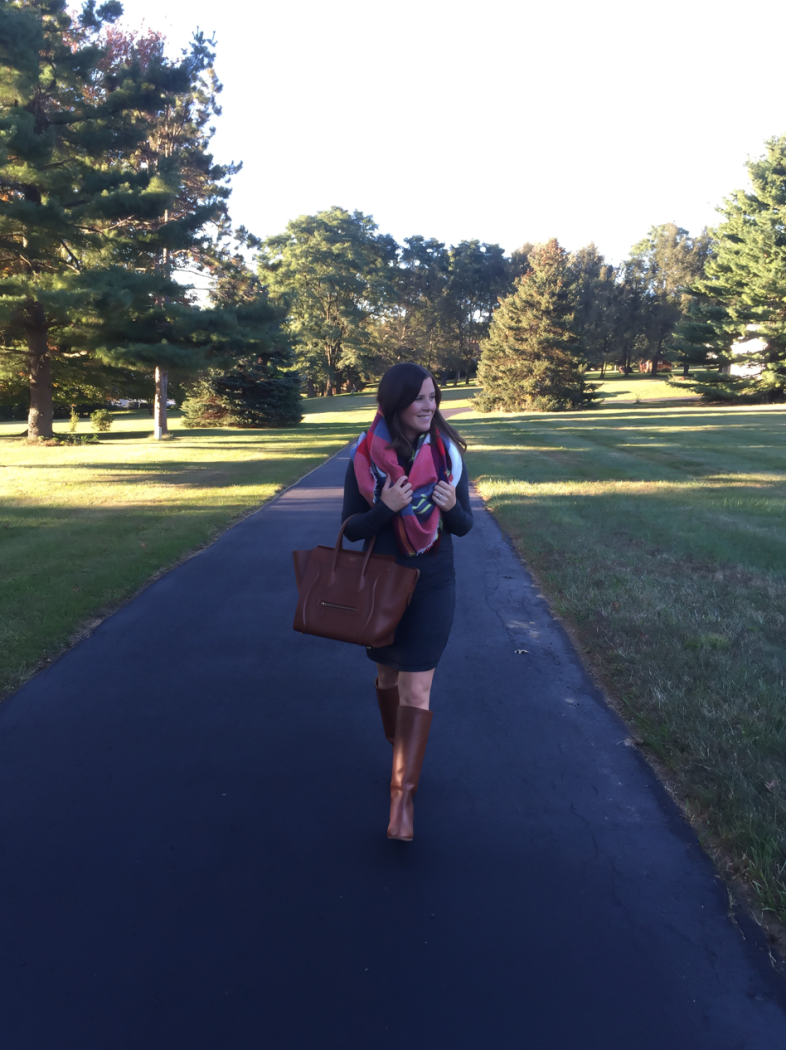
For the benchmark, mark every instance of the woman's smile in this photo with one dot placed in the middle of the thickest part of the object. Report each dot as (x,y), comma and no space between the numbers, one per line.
(416,418)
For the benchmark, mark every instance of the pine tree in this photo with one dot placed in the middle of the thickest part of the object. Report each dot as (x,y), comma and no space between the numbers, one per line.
(530,359)
(247,395)
(154,322)
(261,388)
(67,129)
(107,188)
(597,298)
(702,338)
(745,282)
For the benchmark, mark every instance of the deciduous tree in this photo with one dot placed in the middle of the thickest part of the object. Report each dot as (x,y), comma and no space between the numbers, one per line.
(416,324)
(478,275)
(334,274)
(660,270)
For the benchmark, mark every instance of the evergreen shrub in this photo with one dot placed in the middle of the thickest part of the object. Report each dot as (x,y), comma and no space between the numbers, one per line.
(248,395)
(101,420)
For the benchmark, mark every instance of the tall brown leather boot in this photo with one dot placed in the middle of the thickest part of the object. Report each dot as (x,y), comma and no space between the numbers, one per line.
(409,748)
(388,705)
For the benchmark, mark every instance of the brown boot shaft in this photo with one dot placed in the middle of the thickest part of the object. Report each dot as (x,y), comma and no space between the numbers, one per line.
(388,706)
(409,749)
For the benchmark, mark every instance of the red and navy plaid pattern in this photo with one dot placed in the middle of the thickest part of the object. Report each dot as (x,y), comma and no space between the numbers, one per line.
(417,525)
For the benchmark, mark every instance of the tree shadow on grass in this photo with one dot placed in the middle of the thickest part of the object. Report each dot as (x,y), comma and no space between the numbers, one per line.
(679,416)
(210,473)
(249,433)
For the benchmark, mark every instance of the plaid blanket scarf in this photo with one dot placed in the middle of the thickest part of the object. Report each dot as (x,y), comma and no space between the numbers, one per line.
(418,525)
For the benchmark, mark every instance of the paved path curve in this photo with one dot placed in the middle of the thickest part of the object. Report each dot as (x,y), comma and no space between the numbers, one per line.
(192,837)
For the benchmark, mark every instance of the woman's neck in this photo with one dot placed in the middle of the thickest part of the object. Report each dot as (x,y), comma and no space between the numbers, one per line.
(413,436)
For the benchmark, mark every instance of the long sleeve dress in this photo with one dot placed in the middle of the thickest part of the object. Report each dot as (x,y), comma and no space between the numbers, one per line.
(423,630)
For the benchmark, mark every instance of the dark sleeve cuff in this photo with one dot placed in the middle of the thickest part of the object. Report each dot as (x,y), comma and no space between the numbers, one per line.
(458,519)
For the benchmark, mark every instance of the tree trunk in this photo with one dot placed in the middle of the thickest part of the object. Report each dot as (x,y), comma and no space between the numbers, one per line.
(685,368)
(310,388)
(39,420)
(159,408)
(654,365)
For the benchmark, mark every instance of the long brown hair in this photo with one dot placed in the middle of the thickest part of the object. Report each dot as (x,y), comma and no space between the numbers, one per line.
(398,388)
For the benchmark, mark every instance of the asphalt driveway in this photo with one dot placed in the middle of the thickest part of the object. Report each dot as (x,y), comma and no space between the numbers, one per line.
(193,806)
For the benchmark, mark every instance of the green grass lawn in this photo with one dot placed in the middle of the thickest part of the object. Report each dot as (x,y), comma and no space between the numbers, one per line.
(615,387)
(657,534)
(83,527)
(612,388)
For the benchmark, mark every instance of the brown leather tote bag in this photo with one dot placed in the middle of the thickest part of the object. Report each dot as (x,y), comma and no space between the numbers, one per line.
(351,596)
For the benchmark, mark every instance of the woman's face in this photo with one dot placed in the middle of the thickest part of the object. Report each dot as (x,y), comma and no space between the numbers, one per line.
(416,418)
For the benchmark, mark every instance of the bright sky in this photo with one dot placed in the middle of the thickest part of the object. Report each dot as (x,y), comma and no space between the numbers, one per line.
(505,121)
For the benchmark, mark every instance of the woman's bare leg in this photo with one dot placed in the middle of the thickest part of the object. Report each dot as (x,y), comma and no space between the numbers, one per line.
(386,677)
(414,688)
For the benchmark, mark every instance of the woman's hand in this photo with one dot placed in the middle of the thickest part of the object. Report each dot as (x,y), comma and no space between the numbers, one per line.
(444,495)
(396,496)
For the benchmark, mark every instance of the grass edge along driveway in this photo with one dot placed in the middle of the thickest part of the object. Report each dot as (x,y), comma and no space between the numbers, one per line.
(657,535)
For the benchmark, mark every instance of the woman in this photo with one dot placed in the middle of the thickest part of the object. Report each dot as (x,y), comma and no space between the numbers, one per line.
(406,485)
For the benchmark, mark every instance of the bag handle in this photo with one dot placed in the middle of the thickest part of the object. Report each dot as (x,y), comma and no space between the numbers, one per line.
(340,546)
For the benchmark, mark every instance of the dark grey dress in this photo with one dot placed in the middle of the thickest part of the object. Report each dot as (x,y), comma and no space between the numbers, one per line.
(423,630)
